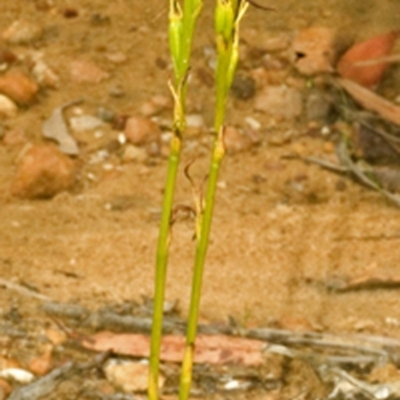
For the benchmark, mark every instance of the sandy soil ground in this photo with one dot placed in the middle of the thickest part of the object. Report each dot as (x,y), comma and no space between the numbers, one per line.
(284,233)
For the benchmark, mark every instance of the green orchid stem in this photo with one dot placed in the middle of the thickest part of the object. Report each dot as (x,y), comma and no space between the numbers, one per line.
(227,17)
(201,251)
(180,32)
(161,266)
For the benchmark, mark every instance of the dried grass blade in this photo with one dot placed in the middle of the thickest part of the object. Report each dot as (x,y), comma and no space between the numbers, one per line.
(371,101)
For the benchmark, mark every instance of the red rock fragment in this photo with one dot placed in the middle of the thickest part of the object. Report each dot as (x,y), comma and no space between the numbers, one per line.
(42,172)
(374,48)
(42,364)
(5,388)
(18,87)
(7,56)
(139,131)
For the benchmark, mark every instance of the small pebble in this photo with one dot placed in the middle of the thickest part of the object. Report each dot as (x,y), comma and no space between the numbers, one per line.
(273,42)
(18,87)
(8,108)
(17,374)
(195,121)
(139,130)
(14,137)
(243,87)
(55,128)
(319,105)
(117,57)
(42,172)
(108,167)
(236,141)
(87,72)
(7,57)
(153,149)
(99,156)
(267,41)
(129,376)
(156,105)
(44,75)
(98,19)
(83,123)
(22,32)
(5,389)
(149,109)
(252,123)
(117,91)
(271,63)
(42,364)
(121,138)
(70,12)
(134,153)
(105,114)
(279,101)
(313,50)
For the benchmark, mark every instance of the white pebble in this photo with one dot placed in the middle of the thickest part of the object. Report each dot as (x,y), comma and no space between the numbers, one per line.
(232,385)
(17,374)
(325,130)
(166,137)
(194,121)
(253,123)
(99,156)
(121,138)
(85,123)
(91,176)
(7,107)
(222,185)
(22,32)
(108,167)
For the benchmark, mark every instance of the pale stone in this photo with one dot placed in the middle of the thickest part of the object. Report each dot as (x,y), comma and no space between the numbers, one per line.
(82,123)
(134,153)
(236,141)
(279,101)
(22,32)
(128,376)
(8,108)
(87,72)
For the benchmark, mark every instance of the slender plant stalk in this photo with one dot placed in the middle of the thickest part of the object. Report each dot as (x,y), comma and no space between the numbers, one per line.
(228,14)
(181,30)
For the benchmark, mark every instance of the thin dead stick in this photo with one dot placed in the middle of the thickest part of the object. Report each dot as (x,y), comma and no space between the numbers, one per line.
(371,101)
(48,383)
(348,166)
(321,358)
(326,164)
(345,158)
(23,290)
(368,345)
(393,58)
(362,118)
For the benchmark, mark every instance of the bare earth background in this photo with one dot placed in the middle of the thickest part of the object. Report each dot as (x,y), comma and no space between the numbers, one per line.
(283,230)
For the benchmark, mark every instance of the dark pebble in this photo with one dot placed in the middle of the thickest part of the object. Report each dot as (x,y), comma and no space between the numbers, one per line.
(243,87)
